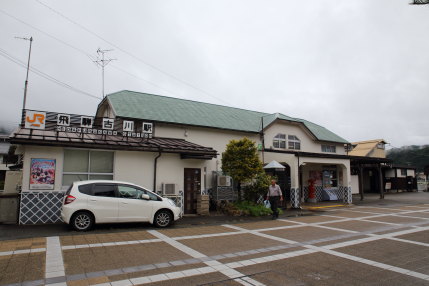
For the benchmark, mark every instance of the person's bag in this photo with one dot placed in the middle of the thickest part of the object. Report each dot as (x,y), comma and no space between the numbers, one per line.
(267,204)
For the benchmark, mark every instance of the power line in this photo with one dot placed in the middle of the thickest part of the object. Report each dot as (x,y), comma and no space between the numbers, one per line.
(46,34)
(82,51)
(11,58)
(130,54)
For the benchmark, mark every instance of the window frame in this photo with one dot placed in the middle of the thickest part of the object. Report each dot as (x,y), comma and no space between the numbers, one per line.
(328,148)
(88,173)
(294,143)
(277,139)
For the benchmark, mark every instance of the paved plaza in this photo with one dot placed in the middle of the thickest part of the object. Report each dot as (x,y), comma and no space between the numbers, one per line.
(356,245)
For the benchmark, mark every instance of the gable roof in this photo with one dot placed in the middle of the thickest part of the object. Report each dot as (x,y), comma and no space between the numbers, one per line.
(180,111)
(366,148)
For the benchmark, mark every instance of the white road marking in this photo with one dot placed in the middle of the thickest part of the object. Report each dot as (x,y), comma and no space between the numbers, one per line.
(54,258)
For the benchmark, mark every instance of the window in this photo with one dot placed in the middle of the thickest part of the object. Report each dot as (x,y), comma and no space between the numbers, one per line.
(403,172)
(329,178)
(280,141)
(80,165)
(85,189)
(104,190)
(293,142)
(380,146)
(135,193)
(329,148)
(129,192)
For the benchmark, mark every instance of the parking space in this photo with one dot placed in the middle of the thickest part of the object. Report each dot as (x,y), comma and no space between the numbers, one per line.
(346,245)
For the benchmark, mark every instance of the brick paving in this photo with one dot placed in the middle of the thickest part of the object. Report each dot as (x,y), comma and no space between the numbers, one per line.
(357,245)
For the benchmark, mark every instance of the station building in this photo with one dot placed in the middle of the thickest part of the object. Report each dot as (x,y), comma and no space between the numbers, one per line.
(172,146)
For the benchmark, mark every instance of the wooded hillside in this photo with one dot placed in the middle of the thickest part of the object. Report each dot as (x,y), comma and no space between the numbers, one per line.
(417,156)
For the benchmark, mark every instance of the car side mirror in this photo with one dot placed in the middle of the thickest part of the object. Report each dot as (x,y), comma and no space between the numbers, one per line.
(145,197)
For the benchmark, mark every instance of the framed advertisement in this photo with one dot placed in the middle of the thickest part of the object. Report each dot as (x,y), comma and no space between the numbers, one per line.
(42,174)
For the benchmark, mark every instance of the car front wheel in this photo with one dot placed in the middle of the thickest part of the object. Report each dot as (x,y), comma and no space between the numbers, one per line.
(82,221)
(163,218)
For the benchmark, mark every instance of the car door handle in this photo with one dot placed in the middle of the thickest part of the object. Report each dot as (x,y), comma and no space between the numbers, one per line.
(125,203)
(92,200)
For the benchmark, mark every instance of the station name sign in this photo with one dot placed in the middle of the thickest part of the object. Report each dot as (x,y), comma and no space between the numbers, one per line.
(71,123)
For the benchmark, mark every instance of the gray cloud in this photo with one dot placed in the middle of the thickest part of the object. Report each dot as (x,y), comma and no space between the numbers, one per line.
(359,68)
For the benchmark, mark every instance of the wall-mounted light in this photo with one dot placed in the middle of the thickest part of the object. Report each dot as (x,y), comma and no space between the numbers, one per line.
(186,133)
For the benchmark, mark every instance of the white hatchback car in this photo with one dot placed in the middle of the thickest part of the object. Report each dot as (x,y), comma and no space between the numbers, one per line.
(101,201)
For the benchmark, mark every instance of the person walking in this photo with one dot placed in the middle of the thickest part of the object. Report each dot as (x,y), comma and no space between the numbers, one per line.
(274,195)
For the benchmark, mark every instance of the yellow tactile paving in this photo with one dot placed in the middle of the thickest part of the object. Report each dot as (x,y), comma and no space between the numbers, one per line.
(179,232)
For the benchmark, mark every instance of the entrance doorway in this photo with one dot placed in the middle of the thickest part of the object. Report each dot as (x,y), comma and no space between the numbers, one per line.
(283,180)
(192,187)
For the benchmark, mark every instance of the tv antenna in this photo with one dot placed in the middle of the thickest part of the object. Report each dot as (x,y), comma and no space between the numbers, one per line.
(102,62)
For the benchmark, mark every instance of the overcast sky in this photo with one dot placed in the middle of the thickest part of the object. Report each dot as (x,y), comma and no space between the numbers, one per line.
(359,68)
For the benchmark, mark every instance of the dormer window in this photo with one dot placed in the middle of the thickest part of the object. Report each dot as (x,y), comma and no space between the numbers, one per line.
(380,146)
(293,142)
(279,141)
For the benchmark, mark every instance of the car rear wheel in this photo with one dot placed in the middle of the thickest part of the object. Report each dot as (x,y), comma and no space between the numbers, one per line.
(82,221)
(163,218)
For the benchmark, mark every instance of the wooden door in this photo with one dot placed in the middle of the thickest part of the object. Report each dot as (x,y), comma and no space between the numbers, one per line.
(192,187)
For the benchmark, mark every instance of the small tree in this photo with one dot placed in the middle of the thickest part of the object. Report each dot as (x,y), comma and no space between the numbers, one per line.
(240,160)
(258,187)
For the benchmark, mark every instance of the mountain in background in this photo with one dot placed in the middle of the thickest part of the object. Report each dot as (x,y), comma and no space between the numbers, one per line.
(415,156)
(6,130)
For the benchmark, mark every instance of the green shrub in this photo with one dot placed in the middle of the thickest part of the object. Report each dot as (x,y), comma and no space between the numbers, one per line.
(252,209)
(258,187)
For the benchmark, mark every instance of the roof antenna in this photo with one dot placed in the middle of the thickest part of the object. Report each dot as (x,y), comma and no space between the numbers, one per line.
(102,63)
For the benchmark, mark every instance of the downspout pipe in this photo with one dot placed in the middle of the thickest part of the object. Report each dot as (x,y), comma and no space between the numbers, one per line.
(155,163)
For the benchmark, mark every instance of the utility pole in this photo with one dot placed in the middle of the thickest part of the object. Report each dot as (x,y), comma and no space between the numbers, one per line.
(103,62)
(28,68)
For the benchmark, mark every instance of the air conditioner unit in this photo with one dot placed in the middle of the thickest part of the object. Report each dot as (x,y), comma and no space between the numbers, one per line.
(169,189)
(224,181)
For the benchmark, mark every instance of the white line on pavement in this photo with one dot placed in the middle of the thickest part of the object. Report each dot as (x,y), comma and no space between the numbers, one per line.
(54,258)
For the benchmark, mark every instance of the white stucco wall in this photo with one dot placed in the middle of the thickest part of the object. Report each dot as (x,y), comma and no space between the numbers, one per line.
(134,167)
(42,152)
(308,143)
(354,183)
(208,137)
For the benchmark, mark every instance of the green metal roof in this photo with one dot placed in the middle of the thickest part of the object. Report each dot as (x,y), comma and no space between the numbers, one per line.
(174,110)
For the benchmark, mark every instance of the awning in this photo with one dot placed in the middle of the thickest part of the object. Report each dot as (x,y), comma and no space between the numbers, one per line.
(98,141)
(274,165)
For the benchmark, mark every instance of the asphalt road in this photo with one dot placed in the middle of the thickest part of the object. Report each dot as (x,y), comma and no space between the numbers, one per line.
(372,242)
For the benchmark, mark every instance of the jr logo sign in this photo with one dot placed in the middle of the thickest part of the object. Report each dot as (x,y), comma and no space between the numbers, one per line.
(35,119)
